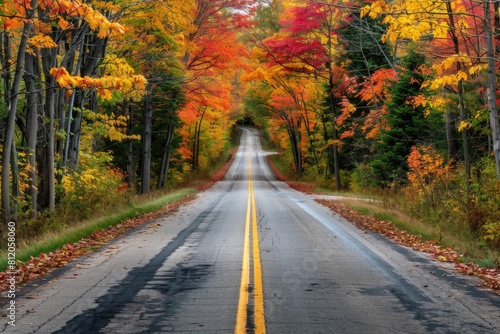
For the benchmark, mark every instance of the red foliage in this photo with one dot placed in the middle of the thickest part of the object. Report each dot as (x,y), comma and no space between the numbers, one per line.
(296,53)
(305,19)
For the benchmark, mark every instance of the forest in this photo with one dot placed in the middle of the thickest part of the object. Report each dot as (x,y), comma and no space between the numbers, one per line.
(105,99)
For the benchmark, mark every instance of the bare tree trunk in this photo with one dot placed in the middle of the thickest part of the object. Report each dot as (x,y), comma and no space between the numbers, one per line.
(312,146)
(11,117)
(146,143)
(196,141)
(167,150)
(130,148)
(461,99)
(75,132)
(15,183)
(336,162)
(50,180)
(194,158)
(71,103)
(492,87)
(32,128)
(329,153)
(294,143)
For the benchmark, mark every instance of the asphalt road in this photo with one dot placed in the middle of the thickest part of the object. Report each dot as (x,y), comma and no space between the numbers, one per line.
(251,255)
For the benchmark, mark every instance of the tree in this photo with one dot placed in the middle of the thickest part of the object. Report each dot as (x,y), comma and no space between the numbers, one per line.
(407,123)
(491,85)
(13,100)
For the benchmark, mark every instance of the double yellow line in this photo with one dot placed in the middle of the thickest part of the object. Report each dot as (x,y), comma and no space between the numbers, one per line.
(259,326)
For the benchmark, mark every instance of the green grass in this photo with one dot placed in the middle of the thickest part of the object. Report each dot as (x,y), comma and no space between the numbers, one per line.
(52,241)
(395,217)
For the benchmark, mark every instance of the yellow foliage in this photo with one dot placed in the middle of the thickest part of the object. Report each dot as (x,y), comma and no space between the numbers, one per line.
(42,42)
(63,24)
(111,126)
(450,62)
(464,125)
(438,102)
(131,85)
(491,232)
(477,68)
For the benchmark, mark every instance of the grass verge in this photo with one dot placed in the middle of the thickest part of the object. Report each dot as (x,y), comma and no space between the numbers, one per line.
(463,242)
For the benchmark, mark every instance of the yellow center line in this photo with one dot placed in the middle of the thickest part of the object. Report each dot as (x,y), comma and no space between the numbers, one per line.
(242,315)
(259,320)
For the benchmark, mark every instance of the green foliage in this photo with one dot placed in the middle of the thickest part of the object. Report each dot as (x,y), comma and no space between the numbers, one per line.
(364,52)
(407,123)
(255,105)
(362,178)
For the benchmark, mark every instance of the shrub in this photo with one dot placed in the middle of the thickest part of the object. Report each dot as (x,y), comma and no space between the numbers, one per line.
(94,186)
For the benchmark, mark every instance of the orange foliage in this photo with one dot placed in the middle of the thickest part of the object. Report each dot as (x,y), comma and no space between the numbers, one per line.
(375,91)
(375,87)
(429,175)
(374,122)
(426,166)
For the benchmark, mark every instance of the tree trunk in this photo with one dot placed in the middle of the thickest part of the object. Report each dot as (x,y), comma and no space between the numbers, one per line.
(329,153)
(451,136)
(76,131)
(194,158)
(162,175)
(71,103)
(312,146)
(146,143)
(15,184)
(461,101)
(92,57)
(336,162)
(465,134)
(32,128)
(196,141)
(492,87)
(50,180)
(130,147)
(11,117)
(49,61)
(294,143)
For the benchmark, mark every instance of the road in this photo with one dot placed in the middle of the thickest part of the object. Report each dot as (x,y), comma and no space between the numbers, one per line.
(251,255)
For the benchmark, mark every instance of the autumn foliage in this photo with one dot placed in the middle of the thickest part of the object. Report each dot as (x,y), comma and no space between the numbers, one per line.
(393,96)
(107,98)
